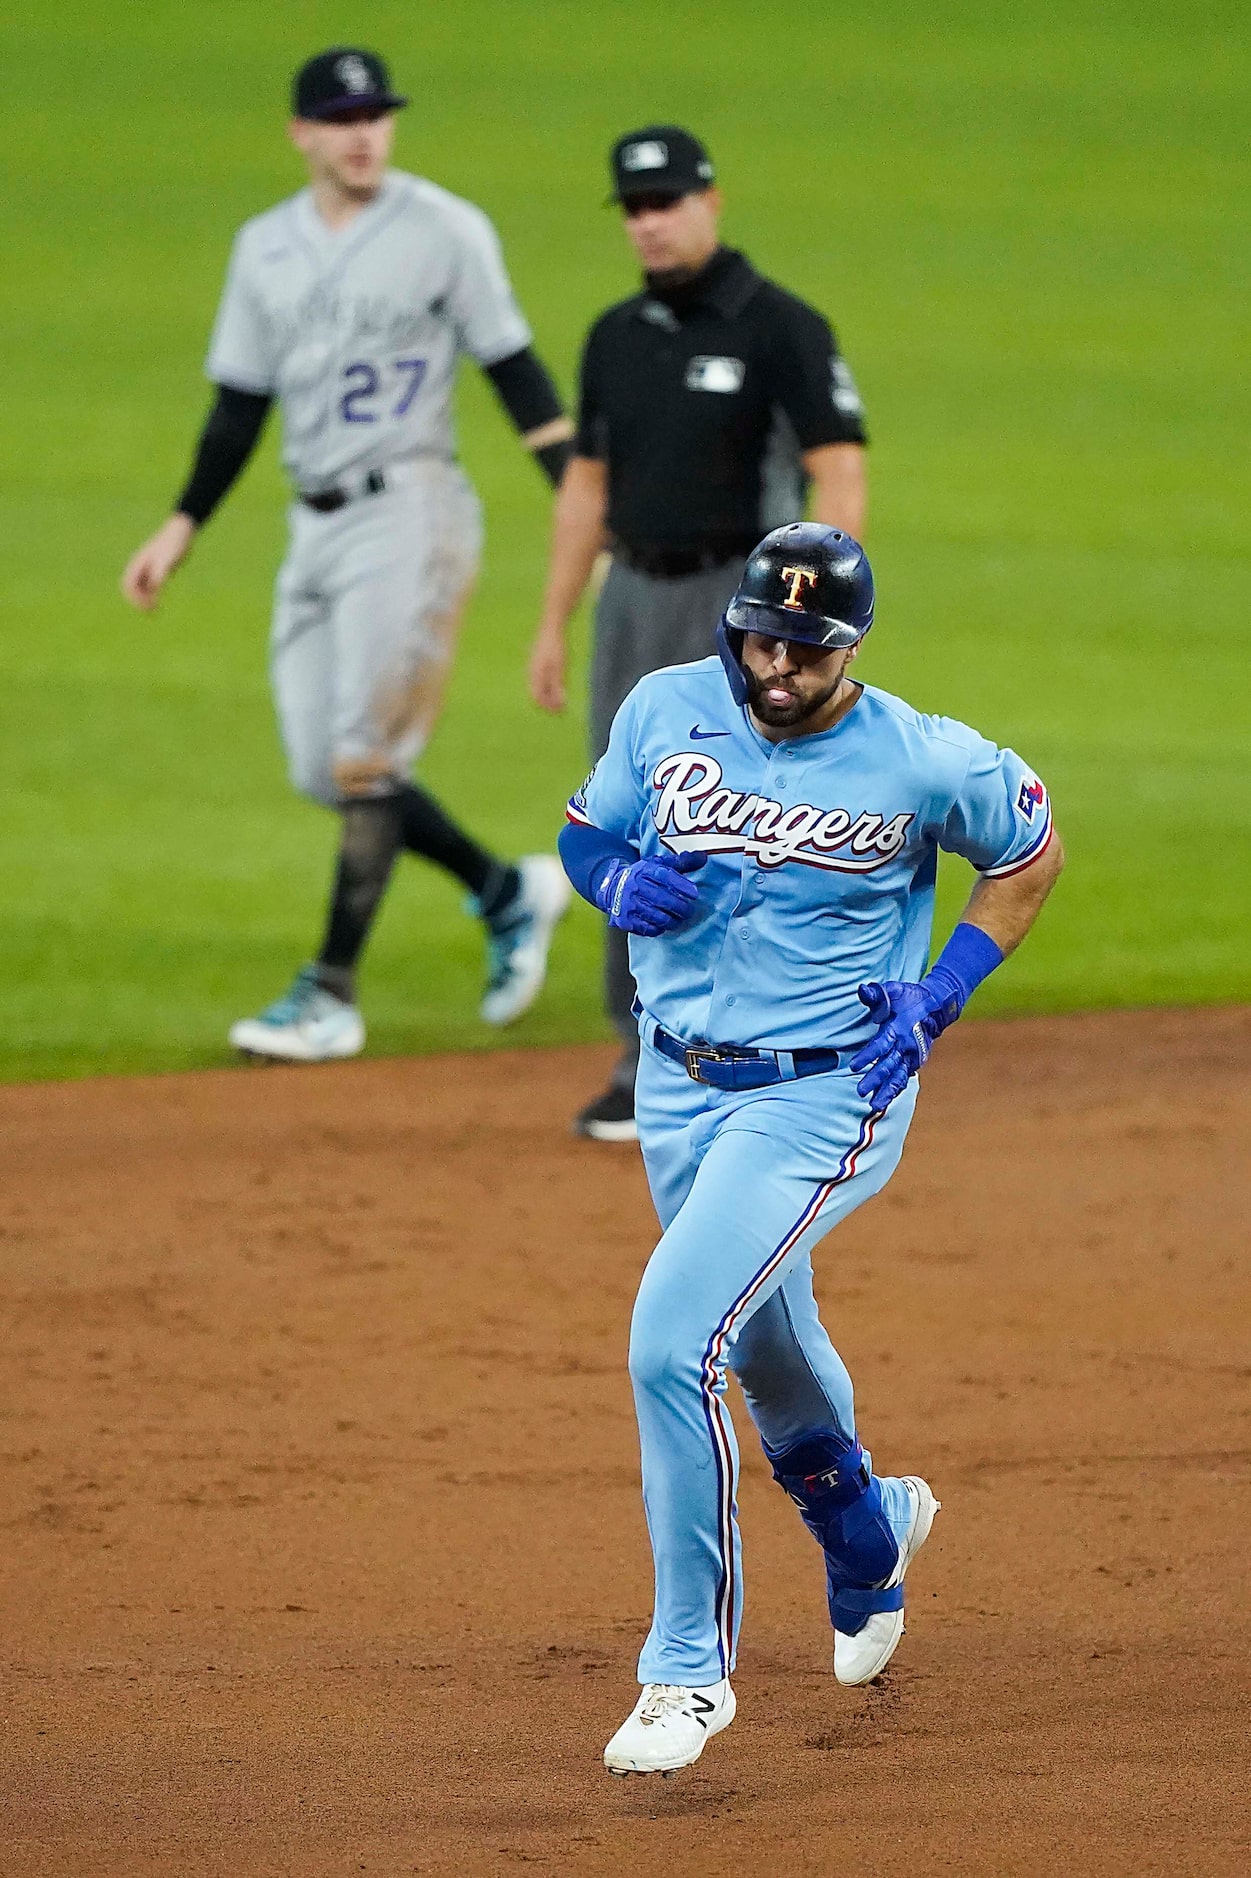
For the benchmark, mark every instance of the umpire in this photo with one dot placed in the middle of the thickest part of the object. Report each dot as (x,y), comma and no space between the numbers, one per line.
(713,403)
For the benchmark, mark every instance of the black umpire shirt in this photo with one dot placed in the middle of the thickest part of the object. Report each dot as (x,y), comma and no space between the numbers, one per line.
(700,398)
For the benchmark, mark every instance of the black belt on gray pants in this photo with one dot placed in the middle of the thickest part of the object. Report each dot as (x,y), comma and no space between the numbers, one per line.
(326,501)
(681,563)
(725,1066)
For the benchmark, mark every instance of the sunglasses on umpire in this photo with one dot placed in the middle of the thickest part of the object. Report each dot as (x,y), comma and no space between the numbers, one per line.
(650,202)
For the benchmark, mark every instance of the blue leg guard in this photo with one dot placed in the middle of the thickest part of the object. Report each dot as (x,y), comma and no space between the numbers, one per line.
(841,1503)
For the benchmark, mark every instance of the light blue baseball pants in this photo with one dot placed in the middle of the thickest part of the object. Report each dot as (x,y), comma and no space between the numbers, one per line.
(745,1185)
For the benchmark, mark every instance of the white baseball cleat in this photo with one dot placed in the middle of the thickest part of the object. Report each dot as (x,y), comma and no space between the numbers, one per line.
(308,1024)
(669,1727)
(860,1658)
(610,1117)
(518,950)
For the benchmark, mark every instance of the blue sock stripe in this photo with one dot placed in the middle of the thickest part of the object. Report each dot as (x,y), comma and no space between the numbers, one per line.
(714,1408)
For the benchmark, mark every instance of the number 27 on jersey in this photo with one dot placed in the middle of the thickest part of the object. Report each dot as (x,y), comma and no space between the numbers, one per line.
(364,399)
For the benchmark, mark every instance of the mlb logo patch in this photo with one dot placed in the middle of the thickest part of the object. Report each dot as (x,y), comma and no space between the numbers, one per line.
(843,390)
(712,374)
(1032,797)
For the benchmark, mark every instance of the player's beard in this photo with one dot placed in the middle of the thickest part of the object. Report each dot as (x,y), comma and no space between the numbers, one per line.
(784,716)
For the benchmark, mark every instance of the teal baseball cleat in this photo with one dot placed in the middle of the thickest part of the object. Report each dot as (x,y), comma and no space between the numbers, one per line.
(308,1024)
(520,937)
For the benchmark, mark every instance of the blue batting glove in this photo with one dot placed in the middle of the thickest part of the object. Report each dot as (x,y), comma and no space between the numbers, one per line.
(910,1018)
(652,896)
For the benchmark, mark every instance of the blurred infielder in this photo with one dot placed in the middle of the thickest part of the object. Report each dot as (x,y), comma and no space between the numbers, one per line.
(351,305)
(784,1016)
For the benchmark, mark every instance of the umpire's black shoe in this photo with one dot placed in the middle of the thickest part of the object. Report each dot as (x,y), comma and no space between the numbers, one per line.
(610,1117)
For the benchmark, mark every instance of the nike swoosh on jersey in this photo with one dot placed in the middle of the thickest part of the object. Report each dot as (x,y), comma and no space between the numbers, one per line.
(701,736)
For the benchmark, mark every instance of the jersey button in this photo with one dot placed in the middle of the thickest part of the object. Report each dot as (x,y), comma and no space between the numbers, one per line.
(731,999)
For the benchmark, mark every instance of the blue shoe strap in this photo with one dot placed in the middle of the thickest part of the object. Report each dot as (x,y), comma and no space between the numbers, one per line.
(857,1606)
(823,1470)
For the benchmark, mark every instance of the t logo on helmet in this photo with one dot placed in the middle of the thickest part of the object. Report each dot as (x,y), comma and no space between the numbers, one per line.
(799,577)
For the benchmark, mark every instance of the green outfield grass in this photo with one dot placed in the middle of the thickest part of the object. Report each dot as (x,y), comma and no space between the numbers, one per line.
(1029,226)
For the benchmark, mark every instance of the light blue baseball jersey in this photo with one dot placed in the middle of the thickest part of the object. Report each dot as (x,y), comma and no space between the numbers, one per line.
(823,850)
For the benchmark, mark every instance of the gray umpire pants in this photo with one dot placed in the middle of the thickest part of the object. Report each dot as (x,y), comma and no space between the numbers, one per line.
(642,623)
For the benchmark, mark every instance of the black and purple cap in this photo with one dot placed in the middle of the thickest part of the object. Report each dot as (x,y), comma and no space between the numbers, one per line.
(660,160)
(345,79)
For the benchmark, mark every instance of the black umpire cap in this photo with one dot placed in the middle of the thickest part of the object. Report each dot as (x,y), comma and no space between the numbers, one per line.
(662,159)
(347,78)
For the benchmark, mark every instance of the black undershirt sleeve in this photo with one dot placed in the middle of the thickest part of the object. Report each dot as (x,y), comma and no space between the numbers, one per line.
(524,387)
(552,459)
(231,433)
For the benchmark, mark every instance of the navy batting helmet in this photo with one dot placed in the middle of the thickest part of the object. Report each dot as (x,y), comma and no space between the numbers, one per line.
(804,581)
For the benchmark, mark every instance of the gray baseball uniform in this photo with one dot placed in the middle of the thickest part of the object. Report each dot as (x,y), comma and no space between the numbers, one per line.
(357,332)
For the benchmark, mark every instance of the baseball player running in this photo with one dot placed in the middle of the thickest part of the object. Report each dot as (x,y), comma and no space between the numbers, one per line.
(771,845)
(351,305)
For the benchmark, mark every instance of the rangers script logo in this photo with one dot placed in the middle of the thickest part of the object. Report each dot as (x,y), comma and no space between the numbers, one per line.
(693,805)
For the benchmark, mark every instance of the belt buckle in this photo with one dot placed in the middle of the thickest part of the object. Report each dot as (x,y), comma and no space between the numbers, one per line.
(697,1053)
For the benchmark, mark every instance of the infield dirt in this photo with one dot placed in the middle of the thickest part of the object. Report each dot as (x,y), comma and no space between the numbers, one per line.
(323,1550)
